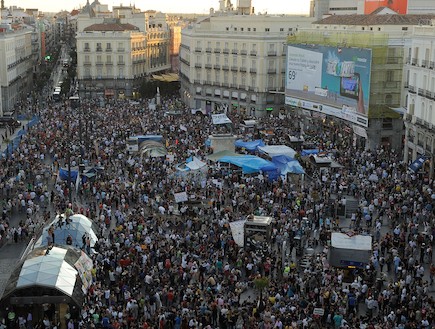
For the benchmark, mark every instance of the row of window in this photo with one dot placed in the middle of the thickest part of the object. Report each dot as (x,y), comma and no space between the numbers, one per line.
(254,29)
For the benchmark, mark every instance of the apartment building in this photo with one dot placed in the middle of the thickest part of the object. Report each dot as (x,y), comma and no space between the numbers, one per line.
(420,84)
(237,62)
(369,98)
(16,63)
(118,50)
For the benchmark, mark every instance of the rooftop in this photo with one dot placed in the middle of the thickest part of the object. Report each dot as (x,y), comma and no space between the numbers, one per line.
(374,19)
(102,27)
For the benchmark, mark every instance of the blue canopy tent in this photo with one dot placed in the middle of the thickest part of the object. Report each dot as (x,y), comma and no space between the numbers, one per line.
(250,146)
(309,152)
(251,164)
(63,174)
(286,164)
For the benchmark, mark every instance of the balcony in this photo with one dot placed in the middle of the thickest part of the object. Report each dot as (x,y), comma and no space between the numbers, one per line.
(391,84)
(225,68)
(185,46)
(108,50)
(217,67)
(408,117)
(226,51)
(121,50)
(99,63)
(421,91)
(419,121)
(234,85)
(225,84)
(198,65)
(208,50)
(208,82)
(271,53)
(431,65)
(406,85)
(109,63)
(429,94)
(87,50)
(242,87)
(424,63)
(208,66)
(197,82)
(217,51)
(414,61)
(271,71)
(411,89)
(235,51)
(87,63)
(393,60)
(234,68)
(121,63)
(198,50)
(182,60)
(252,70)
(242,69)
(253,53)
(243,52)
(408,60)
(99,50)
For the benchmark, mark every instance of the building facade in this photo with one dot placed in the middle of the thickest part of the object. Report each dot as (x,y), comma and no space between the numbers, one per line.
(420,83)
(117,51)
(111,58)
(16,63)
(236,62)
(382,38)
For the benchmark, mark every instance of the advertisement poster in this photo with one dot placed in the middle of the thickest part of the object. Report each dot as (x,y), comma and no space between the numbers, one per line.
(331,80)
(399,6)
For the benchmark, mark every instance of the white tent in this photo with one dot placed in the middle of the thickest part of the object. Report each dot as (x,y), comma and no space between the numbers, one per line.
(195,164)
(274,150)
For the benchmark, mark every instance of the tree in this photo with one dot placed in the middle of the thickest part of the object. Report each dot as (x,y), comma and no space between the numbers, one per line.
(260,283)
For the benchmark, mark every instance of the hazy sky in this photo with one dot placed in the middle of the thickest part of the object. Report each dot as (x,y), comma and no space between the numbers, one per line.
(168,6)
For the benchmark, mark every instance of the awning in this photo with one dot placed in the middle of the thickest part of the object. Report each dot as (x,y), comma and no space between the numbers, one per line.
(109,92)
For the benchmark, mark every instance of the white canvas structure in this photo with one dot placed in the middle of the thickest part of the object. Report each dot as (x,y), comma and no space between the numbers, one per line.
(274,150)
(78,225)
(356,242)
(196,164)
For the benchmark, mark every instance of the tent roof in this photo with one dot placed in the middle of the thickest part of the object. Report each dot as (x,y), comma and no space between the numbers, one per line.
(249,163)
(195,164)
(273,150)
(216,156)
(356,242)
(250,145)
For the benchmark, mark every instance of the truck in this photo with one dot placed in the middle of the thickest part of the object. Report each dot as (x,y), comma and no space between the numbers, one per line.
(350,251)
(133,142)
(199,111)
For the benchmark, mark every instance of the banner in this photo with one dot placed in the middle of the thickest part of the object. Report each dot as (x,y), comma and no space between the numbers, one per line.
(219,119)
(418,163)
(180,197)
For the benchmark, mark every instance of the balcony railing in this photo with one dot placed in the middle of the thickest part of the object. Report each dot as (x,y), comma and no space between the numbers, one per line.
(408,60)
(109,63)
(217,51)
(226,51)
(87,50)
(208,50)
(197,81)
(198,65)
(198,50)
(208,66)
(414,61)
(234,51)
(421,91)
(121,50)
(184,61)
(109,50)
(234,68)
(87,63)
(208,82)
(225,84)
(242,86)
(233,85)
(271,71)
(121,63)
(253,70)
(271,53)
(99,50)
(243,52)
(406,85)
(217,67)
(408,117)
(99,63)
(431,64)
(424,63)
(225,68)
(253,53)
(411,89)
(242,69)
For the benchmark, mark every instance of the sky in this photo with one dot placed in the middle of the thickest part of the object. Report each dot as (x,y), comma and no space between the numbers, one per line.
(168,6)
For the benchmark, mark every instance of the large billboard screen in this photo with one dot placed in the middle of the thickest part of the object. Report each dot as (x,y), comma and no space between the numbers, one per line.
(399,6)
(331,80)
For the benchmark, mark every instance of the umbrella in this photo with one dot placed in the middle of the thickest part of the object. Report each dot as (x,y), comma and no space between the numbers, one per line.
(373,178)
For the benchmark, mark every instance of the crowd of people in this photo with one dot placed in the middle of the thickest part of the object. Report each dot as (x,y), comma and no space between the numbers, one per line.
(160,264)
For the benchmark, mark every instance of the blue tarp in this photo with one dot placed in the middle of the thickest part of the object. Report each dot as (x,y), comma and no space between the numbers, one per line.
(309,152)
(250,146)
(250,164)
(63,174)
(286,164)
(418,163)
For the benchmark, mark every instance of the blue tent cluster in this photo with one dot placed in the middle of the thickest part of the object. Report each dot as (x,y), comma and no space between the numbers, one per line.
(16,141)
(250,145)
